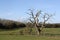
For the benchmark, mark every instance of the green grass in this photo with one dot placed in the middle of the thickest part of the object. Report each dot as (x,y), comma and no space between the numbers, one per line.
(47,34)
(29,37)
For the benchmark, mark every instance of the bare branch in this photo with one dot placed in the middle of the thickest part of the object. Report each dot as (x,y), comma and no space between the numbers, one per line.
(30,20)
(38,13)
(28,14)
(46,17)
(49,16)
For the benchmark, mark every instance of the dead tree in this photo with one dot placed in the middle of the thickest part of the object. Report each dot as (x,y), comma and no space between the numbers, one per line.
(34,19)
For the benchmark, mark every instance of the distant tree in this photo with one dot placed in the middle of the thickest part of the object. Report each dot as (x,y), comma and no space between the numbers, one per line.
(1,25)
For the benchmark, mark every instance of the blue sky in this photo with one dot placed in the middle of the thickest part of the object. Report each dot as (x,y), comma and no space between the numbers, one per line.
(16,9)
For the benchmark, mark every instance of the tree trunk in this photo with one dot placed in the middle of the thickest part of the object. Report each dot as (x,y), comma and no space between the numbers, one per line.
(37,30)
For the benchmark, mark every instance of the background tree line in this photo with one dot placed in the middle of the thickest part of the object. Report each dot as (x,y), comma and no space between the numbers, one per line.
(9,24)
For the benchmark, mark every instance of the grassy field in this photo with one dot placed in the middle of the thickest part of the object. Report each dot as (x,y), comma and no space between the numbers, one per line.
(22,37)
(47,34)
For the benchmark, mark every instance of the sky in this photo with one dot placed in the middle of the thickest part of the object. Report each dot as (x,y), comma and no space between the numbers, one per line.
(17,9)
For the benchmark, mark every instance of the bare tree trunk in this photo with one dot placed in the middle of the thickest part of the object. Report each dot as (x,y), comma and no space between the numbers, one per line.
(37,30)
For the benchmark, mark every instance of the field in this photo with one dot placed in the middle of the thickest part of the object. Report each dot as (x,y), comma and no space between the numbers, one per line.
(47,34)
